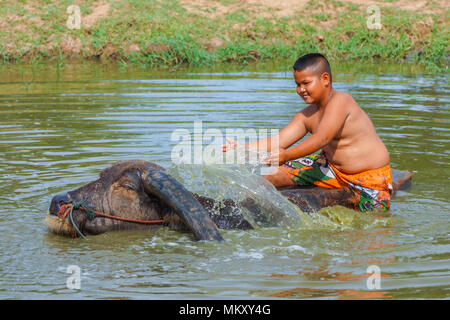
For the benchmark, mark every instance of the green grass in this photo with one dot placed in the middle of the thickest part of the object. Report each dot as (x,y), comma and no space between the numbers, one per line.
(169,35)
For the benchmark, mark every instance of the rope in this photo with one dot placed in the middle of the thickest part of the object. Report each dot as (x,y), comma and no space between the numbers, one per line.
(74,224)
(67,209)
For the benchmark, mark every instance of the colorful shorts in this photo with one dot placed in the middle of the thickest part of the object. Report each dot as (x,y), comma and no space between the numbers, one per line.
(373,187)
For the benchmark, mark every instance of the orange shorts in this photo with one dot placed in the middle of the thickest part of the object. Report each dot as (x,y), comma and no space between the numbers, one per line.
(373,187)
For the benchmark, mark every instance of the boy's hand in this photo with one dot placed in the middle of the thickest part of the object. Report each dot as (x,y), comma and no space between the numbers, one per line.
(231,144)
(276,158)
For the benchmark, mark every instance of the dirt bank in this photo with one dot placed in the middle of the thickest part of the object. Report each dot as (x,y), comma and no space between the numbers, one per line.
(202,32)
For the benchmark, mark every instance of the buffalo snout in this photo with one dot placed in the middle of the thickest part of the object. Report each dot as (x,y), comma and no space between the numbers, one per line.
(57,201)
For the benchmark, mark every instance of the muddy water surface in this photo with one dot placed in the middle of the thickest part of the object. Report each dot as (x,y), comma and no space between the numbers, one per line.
(60,127)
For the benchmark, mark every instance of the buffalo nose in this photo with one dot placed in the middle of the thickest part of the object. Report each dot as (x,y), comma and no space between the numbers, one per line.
(57,201)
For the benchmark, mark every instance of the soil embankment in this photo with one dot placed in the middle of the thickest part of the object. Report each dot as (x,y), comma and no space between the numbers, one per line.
(204,32)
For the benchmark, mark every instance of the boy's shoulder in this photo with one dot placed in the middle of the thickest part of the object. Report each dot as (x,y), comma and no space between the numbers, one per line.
(341,96)
(338,97)
(339,100)
(342,101)
(309,110)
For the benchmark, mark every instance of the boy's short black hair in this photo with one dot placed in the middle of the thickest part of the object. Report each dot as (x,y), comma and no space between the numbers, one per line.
(317,61)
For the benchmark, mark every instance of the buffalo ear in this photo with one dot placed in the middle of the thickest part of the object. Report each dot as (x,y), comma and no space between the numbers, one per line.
(172,193)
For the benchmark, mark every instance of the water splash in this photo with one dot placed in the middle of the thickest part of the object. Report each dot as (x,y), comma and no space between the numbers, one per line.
(246,189)
(221,179)
(342,218)
(254,159)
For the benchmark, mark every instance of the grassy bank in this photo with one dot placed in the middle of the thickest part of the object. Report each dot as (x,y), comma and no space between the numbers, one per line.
(206,32)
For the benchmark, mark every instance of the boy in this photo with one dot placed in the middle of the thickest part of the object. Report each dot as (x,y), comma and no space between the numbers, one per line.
(352,154)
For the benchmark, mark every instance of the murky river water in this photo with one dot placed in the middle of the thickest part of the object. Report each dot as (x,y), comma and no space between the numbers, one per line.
(60,128)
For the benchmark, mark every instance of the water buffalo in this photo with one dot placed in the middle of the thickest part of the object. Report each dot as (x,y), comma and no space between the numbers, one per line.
(140,195)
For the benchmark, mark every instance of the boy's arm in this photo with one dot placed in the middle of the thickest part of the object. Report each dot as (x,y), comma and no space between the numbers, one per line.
(331,123)
(290,134)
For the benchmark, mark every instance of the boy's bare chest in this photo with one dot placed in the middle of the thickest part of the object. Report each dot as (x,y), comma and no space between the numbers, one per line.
(313,123)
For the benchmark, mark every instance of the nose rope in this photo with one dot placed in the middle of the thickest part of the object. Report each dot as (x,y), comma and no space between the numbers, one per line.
(67,209)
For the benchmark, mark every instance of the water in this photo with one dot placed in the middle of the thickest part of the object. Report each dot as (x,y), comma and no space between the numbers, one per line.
(60,127)
(239,183)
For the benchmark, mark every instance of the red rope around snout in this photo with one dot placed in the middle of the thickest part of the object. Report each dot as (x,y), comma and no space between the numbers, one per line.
(65,209)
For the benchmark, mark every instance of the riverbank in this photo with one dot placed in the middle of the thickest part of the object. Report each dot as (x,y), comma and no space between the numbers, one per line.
(207,32)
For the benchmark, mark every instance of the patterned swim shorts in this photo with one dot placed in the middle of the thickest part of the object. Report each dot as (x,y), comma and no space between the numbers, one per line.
(373,187)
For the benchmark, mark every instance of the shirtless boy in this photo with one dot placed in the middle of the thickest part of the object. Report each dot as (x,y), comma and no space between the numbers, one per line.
(352,154)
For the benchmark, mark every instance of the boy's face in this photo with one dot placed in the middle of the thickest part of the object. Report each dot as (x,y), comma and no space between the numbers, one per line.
(310,86)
